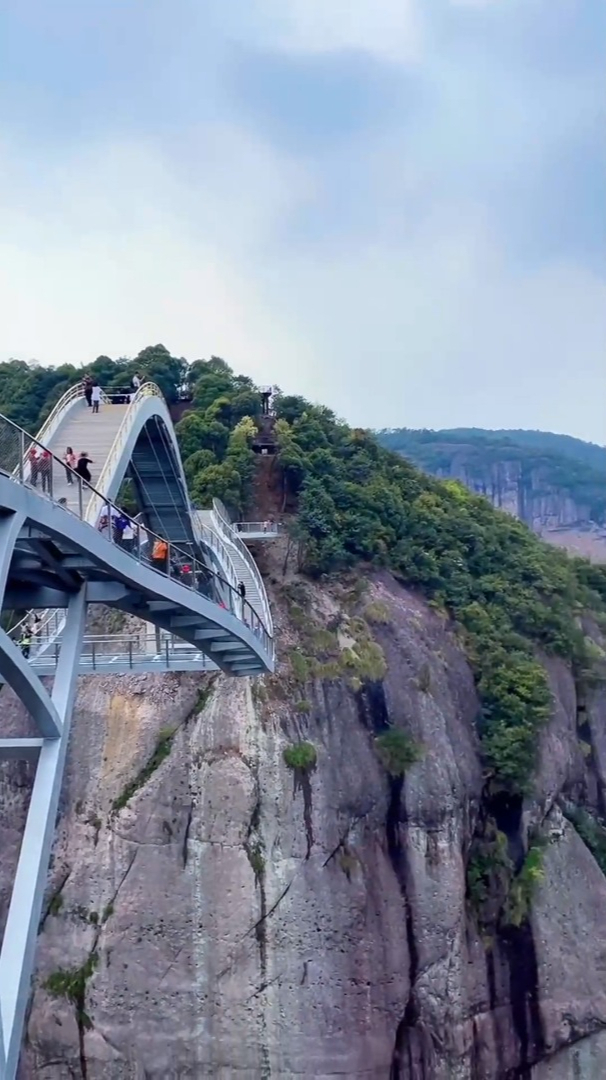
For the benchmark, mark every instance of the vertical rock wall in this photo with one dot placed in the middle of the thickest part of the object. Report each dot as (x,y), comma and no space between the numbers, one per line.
(213,914)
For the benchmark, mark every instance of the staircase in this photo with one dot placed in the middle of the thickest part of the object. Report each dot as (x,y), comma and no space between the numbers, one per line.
(243,564)
(83,431)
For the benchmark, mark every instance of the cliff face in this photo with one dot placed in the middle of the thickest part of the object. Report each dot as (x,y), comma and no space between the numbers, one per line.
(528,492)
(213,914)
(548,481)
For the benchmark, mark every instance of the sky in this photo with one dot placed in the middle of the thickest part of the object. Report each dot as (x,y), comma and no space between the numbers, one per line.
(394,207)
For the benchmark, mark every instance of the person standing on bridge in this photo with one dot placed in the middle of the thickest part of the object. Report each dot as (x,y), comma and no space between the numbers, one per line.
(87,384)
(25,642)
(34,464)
(70,464)
(96,396)
(160,555)
(46,470)
(242,595)
(136,382)
(82,467)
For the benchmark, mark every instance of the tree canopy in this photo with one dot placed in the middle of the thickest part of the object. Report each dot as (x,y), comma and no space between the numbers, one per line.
(546,462)
(356,503)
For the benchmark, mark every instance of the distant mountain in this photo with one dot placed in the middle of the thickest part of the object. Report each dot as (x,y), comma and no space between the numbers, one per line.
(548,480)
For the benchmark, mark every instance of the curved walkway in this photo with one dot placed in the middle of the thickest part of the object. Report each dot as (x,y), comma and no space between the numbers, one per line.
(138,440)
(58,554)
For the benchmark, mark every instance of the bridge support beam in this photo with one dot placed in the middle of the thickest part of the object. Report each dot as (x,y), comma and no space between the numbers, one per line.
(18,946)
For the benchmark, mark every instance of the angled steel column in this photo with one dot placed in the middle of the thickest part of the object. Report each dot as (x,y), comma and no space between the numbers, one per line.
(2,1054)
(18,946)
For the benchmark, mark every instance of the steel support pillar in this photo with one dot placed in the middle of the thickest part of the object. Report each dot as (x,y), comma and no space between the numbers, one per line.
(18,946)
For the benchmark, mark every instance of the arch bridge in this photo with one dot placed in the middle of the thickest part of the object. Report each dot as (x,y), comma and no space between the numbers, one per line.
(180,570)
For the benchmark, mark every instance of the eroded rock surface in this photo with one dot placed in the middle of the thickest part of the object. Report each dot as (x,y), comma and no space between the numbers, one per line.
(231,918)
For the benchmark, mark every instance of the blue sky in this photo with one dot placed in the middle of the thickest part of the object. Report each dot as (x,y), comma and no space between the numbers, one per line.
(396,207)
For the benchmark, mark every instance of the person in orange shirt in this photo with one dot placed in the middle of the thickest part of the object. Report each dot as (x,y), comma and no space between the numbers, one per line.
(160,555)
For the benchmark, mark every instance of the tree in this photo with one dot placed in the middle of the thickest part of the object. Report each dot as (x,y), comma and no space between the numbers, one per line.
(210,387)
(196,433)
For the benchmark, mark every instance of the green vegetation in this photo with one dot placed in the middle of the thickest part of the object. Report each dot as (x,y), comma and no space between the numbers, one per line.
(301,756)
(591,831)
(108,911)
(256,858)
(496,894)
(28,392)
(488,865)
(346,651)
(216,435)
(546,442)
(358,504)
(524,886)
(162,749)
(547,461)
(510,594)
(397,751)
(377,613)
(55,903)
(71,983)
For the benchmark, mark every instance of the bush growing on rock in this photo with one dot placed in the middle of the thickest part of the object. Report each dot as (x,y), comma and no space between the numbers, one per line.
(397,752)
(301,756)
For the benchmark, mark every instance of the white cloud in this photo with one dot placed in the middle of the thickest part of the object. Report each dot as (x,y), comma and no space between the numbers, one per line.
(113,250)
(116,249)
(388,29)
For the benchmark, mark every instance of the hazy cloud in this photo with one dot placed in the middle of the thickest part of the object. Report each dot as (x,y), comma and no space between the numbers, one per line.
(396,208)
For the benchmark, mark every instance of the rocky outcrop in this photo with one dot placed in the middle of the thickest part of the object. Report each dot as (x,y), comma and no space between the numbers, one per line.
(214,913)
(529,492)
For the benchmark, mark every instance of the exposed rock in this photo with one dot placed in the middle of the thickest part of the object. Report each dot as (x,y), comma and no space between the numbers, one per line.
(247,920)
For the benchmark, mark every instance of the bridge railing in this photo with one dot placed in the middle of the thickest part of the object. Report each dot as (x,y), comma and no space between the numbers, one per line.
(138,542)
(55,417)
(270,529)
(209,537)
(222,522)
(100,651)
(148,389)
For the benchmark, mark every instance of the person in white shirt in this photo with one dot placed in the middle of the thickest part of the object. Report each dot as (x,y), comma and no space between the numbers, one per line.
(136,382)
(96,397)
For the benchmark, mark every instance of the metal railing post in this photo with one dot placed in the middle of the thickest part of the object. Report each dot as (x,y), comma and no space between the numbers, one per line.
(21,456)
(80,499)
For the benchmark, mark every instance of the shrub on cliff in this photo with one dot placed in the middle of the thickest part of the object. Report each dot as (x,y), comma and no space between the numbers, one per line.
(397,752)
(510,593)
(301,756)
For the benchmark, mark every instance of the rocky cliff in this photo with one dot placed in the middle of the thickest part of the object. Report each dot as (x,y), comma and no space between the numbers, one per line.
(214,913)
(549,481)
(528,491)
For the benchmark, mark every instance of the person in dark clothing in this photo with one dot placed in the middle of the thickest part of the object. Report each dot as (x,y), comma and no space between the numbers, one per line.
(82,467)
(34,464)
(88,391)
(242,595)
(25,642)
(46,470)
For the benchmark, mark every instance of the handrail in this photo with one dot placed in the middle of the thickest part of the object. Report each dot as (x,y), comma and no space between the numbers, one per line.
(54,418)
(199,578)
(221,520)
(206,535)
(147,389)
(268,528)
